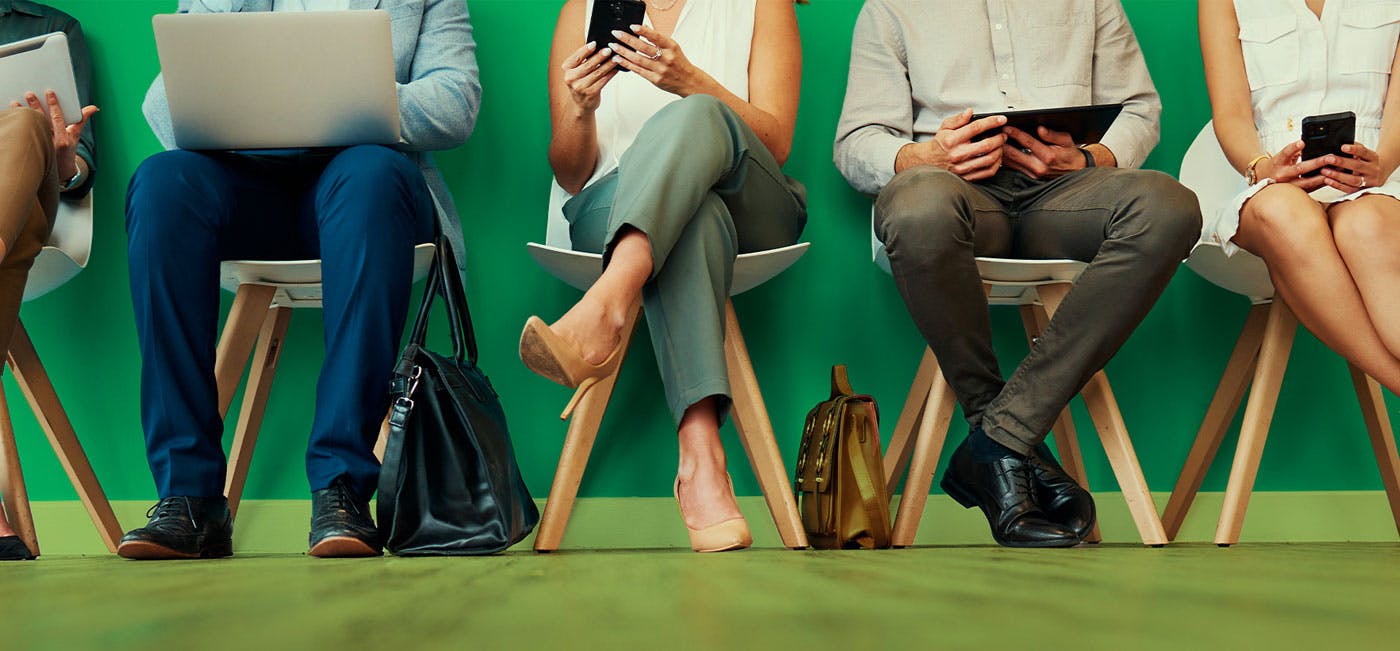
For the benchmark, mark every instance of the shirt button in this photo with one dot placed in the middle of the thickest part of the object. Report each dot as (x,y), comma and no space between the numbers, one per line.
(1006,76)
(998,25)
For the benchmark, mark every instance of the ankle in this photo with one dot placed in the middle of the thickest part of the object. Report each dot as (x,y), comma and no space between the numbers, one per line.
(985,449)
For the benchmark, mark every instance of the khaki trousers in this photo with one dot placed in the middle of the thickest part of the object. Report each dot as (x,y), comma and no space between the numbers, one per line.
(28,202)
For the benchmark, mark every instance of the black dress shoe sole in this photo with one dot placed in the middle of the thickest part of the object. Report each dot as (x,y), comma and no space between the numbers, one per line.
(343,547)
(141,550)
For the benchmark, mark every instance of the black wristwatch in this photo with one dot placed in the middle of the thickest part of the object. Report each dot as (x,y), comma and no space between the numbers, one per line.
(1088,157)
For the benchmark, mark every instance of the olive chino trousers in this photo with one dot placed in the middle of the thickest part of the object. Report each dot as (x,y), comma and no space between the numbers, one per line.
(1133,227)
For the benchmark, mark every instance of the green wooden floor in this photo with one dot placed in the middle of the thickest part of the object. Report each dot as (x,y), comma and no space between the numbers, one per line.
(1303,596)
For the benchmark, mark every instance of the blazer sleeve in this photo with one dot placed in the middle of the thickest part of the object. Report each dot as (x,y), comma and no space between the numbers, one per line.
(439,105)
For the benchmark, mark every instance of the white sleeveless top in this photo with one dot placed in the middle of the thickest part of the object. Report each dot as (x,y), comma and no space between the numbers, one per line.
(715,35)
(1300,65)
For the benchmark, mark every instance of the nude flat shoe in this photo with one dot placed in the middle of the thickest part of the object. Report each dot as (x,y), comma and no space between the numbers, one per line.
(722,537)
(551,357)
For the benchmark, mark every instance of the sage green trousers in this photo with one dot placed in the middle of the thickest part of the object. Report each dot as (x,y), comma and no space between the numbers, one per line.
(703,188)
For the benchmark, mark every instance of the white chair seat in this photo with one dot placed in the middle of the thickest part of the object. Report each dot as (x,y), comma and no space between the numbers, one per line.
(298,282)
(581,269)
(1208,173)
(1013,280)
(67,251)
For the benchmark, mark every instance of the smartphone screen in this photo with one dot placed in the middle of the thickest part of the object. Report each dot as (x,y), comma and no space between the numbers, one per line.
(1325,134)
(609,15)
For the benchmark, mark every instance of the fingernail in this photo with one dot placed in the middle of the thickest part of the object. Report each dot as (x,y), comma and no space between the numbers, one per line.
(591,44)
(618,32)
(617,60)
(636,28)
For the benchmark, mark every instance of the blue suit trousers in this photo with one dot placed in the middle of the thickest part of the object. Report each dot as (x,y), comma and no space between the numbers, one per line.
(360,210)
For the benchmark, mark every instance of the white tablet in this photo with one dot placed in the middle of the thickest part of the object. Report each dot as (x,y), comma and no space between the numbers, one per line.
(39,64)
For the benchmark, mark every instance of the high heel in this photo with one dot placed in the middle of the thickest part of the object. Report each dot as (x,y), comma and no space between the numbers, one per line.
(722,537)
(551,357)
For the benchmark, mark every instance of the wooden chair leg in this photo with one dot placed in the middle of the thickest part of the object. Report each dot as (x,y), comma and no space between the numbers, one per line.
(1035,319)
(247,315)
(928,447)
(1368,392)
(38,390)
(1108,420)
(1234,382)
(900,445)
(1279,331)
(578,445)
(245,438)
(383,440)
(16,496)
(756,432)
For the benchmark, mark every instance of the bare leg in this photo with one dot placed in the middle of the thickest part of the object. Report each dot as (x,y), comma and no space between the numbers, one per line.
(705,494)
(1285,227)
(1367,233)
(594,324)
(5,529)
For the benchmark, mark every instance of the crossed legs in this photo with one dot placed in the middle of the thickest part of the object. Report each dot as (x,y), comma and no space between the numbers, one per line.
(1336,267)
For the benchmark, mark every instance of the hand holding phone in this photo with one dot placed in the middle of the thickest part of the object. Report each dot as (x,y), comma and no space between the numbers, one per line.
(1325,135)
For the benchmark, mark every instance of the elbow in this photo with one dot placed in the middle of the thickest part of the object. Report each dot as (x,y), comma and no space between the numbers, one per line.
(782,153)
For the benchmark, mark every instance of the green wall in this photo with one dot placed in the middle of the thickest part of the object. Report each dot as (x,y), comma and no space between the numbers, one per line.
(847,310)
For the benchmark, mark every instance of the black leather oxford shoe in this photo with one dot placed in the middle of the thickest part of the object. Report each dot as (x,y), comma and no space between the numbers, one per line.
(1003,490)
(340,524)
(182,527)
(1063,499)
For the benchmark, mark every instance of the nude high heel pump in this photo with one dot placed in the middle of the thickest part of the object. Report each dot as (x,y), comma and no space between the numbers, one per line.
(551,357)
(722,537)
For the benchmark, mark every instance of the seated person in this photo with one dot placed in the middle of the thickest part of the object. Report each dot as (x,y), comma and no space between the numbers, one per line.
(41,158)
(672,150)
(1323,226)
(919,71)
(361,210)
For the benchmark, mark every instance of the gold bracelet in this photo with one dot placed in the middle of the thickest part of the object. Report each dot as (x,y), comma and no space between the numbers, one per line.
(1250,175)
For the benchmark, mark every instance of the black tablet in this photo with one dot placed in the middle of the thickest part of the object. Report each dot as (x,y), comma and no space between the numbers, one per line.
(1086,124)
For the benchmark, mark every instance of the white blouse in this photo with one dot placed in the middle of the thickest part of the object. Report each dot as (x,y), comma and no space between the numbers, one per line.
(715,35)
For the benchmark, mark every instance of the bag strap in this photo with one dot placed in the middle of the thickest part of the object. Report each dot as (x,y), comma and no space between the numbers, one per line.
(444,281)
(870,498)
(840,382)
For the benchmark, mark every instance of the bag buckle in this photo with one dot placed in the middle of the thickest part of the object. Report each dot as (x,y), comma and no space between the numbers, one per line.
(412,385)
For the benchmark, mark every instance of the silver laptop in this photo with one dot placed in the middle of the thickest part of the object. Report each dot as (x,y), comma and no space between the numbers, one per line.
(268,80)
(38,65)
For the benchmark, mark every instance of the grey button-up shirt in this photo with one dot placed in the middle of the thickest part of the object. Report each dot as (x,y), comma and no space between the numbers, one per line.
(916,62)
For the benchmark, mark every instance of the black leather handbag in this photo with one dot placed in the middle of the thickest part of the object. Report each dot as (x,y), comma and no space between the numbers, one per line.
(450,485)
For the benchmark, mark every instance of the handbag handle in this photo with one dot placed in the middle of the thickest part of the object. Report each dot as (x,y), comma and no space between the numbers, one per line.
(444,281)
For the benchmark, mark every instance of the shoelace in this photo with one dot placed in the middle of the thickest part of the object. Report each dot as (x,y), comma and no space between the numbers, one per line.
(170,507)
(340,500)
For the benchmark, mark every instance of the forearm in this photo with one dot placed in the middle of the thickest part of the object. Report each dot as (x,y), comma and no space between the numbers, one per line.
(1103,156)
(573,149)
(1239,140)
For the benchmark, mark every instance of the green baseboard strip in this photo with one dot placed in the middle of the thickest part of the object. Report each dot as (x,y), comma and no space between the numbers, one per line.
(279,526)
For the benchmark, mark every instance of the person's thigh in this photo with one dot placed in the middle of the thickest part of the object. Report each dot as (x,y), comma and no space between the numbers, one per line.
(929,208)
(1072,216)
(370,190)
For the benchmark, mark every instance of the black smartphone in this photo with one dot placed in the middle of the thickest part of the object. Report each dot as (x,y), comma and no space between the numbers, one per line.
(1325,134)
(609,15)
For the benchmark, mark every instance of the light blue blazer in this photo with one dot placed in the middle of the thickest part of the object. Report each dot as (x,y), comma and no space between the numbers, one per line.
(438,81)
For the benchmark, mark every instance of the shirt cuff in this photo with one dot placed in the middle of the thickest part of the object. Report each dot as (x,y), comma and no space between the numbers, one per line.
(873,164)
(1125,148)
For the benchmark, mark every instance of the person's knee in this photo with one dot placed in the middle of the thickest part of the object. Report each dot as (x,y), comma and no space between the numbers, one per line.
(371,166)
(1282,218)
(28,124)
(1361,227)
(697,117)
(1170,214)
(365,182)
(920,205)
